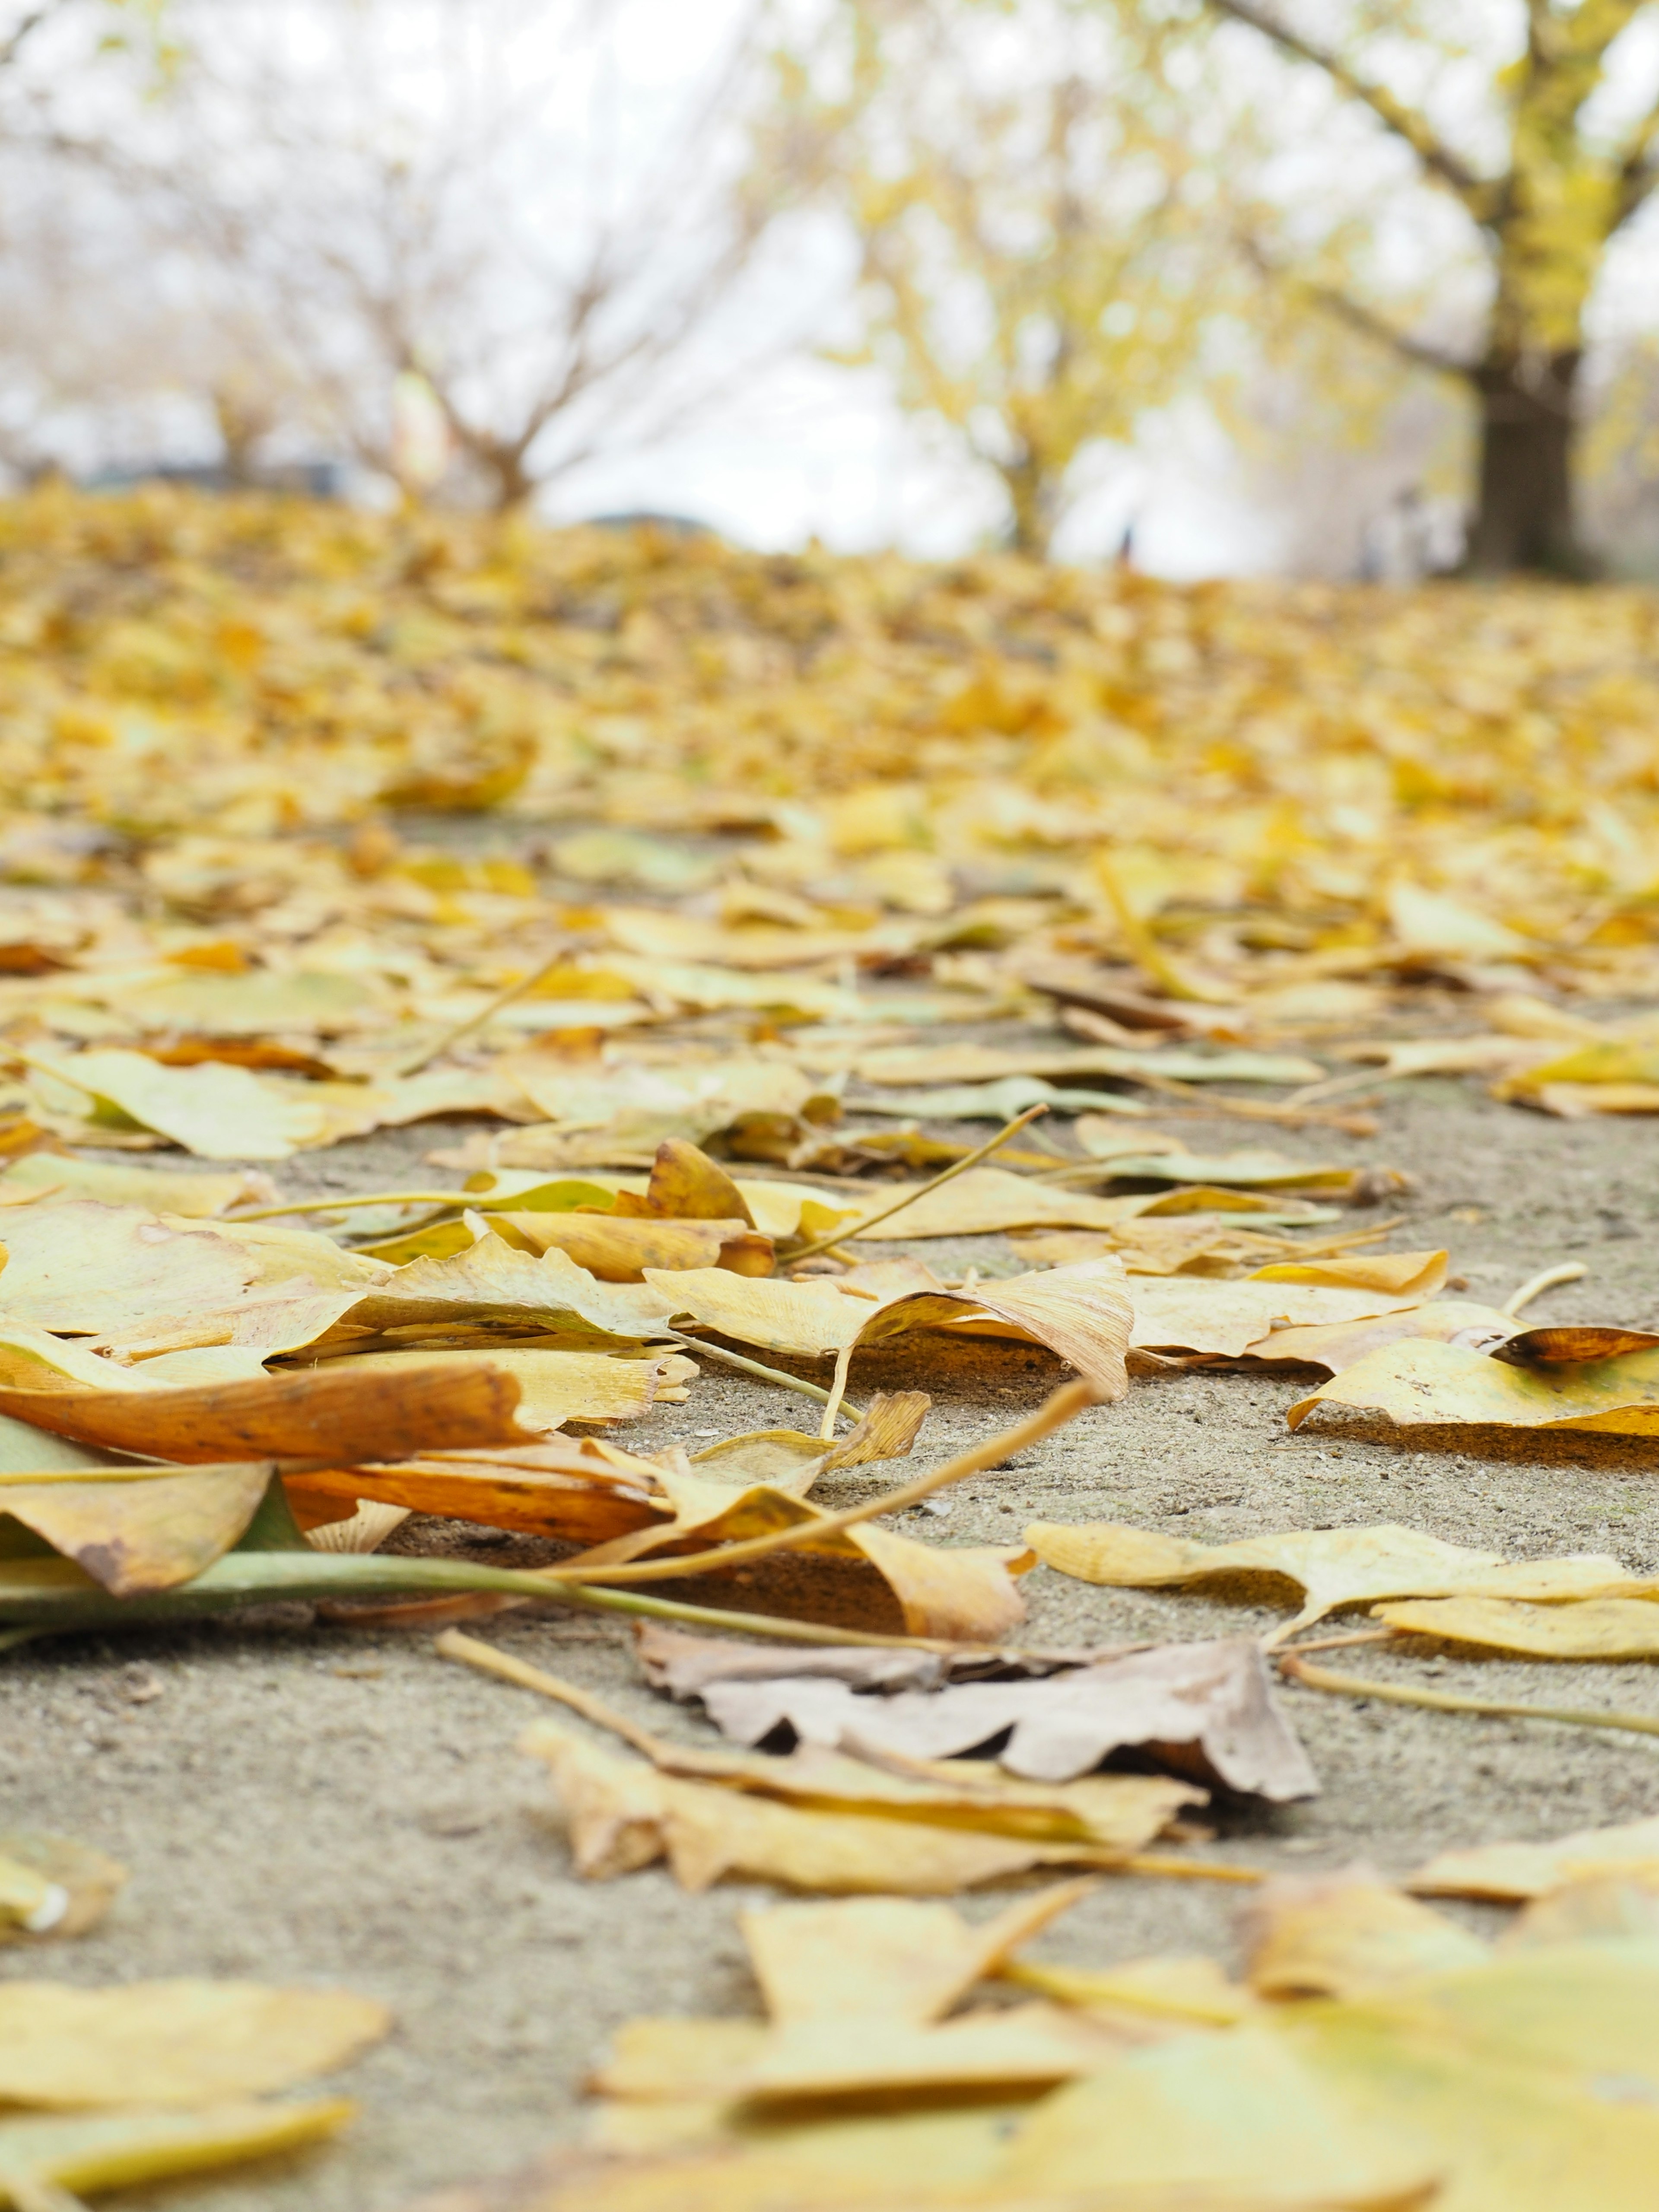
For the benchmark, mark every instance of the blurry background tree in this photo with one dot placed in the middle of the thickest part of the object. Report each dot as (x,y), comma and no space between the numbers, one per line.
(1535,124)
(361,210)
(1041,269)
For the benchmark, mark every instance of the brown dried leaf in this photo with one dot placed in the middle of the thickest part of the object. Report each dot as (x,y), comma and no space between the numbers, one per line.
(324,1412)
(686,1185)
(1214,1697)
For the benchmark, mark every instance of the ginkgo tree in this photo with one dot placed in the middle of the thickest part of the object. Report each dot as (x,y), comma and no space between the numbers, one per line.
(1040,267)
(1537,122)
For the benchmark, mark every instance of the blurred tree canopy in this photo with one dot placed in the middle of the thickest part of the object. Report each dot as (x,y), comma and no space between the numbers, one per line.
(1073,212)
(1041,264)
(1537,124)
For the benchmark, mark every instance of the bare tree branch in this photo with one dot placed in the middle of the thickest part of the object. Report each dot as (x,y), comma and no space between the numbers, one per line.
(13,45)
(1364,321)
(1638,172)
(1477,193)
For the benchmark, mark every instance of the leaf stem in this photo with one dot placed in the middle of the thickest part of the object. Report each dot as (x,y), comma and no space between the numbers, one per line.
(458,1198)
(1444,1701)
(909,1197)
(1546,1279)
(48,1595)
(413,1062)
(754,1367)
(1059,1407)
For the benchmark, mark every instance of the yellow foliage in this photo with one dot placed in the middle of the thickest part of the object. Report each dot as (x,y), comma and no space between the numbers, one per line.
(1241,751)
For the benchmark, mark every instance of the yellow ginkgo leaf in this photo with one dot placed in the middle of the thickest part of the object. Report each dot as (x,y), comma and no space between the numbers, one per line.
(1586,1628)
(177,2043)
(1513,1871)
(217,1112)
(90,2151)
(1421,1383)
(1331,1567)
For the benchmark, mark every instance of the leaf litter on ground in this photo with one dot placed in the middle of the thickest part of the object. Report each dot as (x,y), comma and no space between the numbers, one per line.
(898,896)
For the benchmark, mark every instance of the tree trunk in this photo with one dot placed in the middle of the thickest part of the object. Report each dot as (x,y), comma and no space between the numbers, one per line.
(1524,518)
(1031,502)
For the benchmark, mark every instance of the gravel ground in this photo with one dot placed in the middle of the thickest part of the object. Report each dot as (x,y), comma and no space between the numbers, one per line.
(315,1804)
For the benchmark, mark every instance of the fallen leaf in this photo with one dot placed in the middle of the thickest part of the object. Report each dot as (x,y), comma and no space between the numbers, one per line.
(1510,1872)
(1501,2075)
(686,1185)
(986,1201)
(1214,1697)
(638,1108)
(1188,1314)
(1331,1567)
(625,1251)
(173,2042)
(680,1665)
(1081,1313)
(1335,1347)
(1430,922)
(883,1959)
(587,1493)
(1180,1992)
(807,1319)
(1415,1274)
(321,1004)
(1423,1383)
(86,1269)
(981,1063)
(789,1460)
(1222,2120)
(554,1386)
(1591,1906)
(1169,1161)
(1464,1055)
(1571,1101)
(490,1282)
(1346,1936)
(39,2156)
(139,1535)
(215,1111)
(1623,1069)
(964,1592)
(623,1814)
(991,1101)
(1587,1628)
(324,1412)
(157,1190)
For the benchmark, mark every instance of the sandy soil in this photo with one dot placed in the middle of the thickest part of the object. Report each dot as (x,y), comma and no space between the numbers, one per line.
(316,1804)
